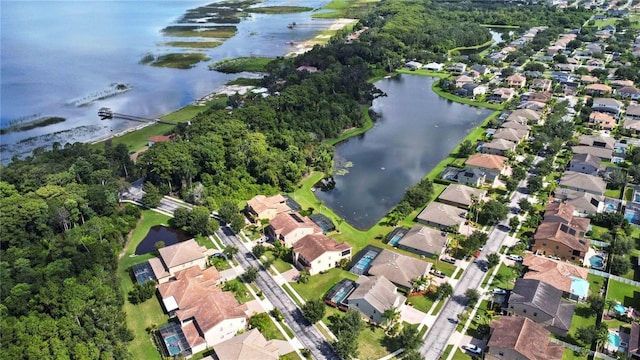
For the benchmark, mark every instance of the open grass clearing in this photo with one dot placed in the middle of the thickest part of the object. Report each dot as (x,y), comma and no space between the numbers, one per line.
(342,8)
(422,303)
(279,264)
(318,285)
(179,61)
(241,64)
(595,283)
(220,32)
(582,317)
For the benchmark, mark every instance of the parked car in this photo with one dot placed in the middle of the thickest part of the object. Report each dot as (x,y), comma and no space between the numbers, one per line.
(453,320)
(484,267)
(499,291)
(474,349)
(517,258)
(449,260)
(437,273)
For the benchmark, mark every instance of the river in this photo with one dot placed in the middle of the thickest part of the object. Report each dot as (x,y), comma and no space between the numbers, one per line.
(56,51)
(416,129)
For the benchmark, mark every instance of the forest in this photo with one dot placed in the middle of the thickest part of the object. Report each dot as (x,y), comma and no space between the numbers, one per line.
(63,227)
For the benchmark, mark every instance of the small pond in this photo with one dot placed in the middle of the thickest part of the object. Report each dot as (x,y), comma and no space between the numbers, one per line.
(157,233)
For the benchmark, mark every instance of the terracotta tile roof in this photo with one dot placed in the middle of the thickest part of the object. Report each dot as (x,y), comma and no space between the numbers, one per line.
(524,113)
(399,269)
(260,203)
(192,335)
(621,83)
(561,233)
(425,239)
(313,246)
(634,339)
(589,79)
(524,336)
(199,297)
(516,78)
(158,268)
(555,273)
(379,292)
(285,223)
(461,194)
(182,253)
(582,181)
(249,345)
(500,144)
(598,117)
(487,161)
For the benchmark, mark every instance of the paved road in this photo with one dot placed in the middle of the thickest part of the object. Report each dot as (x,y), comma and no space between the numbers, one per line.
(167,204)
(308,335)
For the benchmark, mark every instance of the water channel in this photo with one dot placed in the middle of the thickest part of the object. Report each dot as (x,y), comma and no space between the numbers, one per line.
(415,130)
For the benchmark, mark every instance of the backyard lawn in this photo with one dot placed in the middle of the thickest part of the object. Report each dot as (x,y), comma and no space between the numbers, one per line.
(581,318)
(626,294)
(319,285)
(595,283)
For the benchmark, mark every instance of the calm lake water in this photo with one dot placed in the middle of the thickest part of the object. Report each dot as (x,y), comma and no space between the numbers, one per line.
(57,51)
(415,131)
(157,233)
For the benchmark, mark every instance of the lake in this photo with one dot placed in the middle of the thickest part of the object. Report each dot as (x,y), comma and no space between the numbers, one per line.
(416,129)
(57,51)
(157,233)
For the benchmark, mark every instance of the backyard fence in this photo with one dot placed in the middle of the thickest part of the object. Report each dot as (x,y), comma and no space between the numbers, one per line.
(614,277)
(577,348)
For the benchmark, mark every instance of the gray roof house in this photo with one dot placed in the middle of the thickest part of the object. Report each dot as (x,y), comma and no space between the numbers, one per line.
(584,203)
(460,195)
(599,141)
(633,125)
(471,176)
(608,105)
(397,268)
(542,303)
(585,163)
(498,147)
(511,134)
(373,296)
(424,241)
(633,111)
(442,216)
(583,182)
(511,124)
(528,114)
(602,153)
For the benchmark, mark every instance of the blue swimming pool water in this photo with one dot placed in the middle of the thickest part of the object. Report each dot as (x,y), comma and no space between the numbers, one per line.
(614,339)
(340,295)
(610,208)
(631,215)
(620,309)
(363,264)
(637,197)
(173,345)
(597,262)
(394,240)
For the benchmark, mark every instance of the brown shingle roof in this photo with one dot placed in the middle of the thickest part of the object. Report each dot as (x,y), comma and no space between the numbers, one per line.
(565,211)
(595,151)
(510,134)
(200,298)
(399,269)
(284,223)
(461,194)
(182,253)
(512,124)
(545,298)
(487,161)
(250,345)
(524,336)
(562,233)
(598,87)
(524,113)
(424,239)
(313,246)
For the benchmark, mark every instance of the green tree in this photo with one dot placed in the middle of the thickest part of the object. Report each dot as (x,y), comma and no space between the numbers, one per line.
(444,291)
(493,259)
(199,221)
(472,296)
(524,204)
(466,148)
(152,197)
(409,338)
(258,250)
(260,321)
(390,316)
(514,222)
(473,242)
(534,184)
(181,217)
(412,355)
(314,310)
(230,214)
(617,179)
(596,303)
(619,264)
(230,251)
(492,212)
(251,274)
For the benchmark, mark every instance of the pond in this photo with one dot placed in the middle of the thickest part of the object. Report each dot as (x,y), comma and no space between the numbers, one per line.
(157,233)
(415,130)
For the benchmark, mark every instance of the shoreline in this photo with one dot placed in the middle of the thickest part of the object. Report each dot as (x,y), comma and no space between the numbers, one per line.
(321,38)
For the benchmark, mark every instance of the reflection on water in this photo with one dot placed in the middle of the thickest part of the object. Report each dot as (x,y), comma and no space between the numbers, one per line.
(157,233)
(416,130)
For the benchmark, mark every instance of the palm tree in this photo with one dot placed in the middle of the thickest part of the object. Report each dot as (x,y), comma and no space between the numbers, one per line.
(229,251)
(390,317)
(609,303)
(602,336)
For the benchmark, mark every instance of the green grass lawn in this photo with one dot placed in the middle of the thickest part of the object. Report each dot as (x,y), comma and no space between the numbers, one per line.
(570,355)
(461,355)
(291,356)
(581,319)
(422,303)
(318,285)
(139,138)
(278,9)
(612,193)
(141,316)
(179,61)
(626,294)
(271,332)
(239,290)
(249,64)
(598,231)
(370,343)
(595,283)
(340,8)
(472,330)
(616,324)
(279,264)
(505,278)
(194,44)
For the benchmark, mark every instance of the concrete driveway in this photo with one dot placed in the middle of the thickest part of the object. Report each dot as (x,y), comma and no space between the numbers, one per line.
(411,315)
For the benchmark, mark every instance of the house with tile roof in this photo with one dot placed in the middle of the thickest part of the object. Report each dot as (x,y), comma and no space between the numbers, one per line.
(498,147)
(517,125)
(633,351)
(599,141)
(207,314)
(559,274)
(597,89)
(373,296)
(471,176)
(541,84)
(492,165)
(520,338)
(585,163)
(510,134)
(542,304)
(516,80)
(632,125)
(602,153)
(583,182)
(463,80)
(525,116)
(559,240)
(442,216)
(633,112)
(291,227)
(262,207)
(563,213)
(602,121)
(584,203)
(628,92)
(607,105)
(317,253)
(399,269)
(178,257)
(461,196)
(249,345)
(500,95)
(424,241)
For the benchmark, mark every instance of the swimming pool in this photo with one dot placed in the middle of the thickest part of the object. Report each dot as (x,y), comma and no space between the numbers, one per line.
(363,264)
(396,238)
(620,309)
(610,208)
(597,262)
(173,345)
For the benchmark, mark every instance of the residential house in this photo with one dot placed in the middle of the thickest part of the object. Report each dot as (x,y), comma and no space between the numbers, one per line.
(511,134)
(461,196)
(310,69)
(492,165)
(401,270)
(458,68)
(632,125)
(433,66)
(442,216)
(533,105)
(498,147)
(178,257)
(463,80)
(629,92)
(597,89)
(601,121)
(559,240)
(501,95)
(583,182)
(543,96)
(563,213)
(570,279)
(519,338)
(633,112)
(542,84)
(633,351)
(607,105)
(517,125)
(584,203)
(373,296)
(249,345)
(565,67)
(593,49)
(585,163)
(516,80)
(207,314)
(525,116)
(291,227)
(262,207)
(424,241)
(588,79)
(602,153)
(621,83)
(413,65)
(599,141)
(596,63)
(317,253)
(480,69)
(158,139)
(542,304)
(472,177)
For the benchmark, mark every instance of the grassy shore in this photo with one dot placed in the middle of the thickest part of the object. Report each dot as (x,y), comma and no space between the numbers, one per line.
(476,47)
(179,61)
(340,8)
(242,64)
(220,32)
(194,44)
(278,9)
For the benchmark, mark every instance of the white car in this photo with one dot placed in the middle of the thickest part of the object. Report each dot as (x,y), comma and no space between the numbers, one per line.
(499,291)
(515,258)
(473,349)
